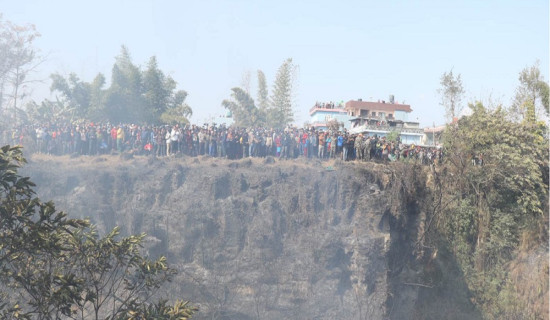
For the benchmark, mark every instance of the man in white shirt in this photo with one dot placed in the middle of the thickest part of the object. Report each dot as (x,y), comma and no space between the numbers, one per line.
(174,139)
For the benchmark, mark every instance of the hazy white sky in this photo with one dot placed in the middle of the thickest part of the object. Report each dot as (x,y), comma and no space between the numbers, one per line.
(344,49)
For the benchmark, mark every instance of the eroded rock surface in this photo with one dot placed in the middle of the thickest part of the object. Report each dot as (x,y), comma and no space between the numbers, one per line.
(252,239)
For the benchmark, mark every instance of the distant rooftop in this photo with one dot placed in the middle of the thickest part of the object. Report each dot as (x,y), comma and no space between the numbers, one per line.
(379,106)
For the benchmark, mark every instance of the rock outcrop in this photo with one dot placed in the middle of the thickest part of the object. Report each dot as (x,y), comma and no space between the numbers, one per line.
(257,238)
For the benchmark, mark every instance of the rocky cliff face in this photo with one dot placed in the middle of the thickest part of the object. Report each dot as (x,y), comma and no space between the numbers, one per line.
(260,239)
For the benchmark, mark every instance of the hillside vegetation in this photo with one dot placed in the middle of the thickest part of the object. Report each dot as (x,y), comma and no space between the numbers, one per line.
(490,211)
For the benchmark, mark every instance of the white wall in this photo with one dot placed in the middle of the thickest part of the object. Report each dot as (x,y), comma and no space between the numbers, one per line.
(401,115)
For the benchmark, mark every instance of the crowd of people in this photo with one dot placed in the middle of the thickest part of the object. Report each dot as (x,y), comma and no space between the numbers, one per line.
(329,105)
(215,141)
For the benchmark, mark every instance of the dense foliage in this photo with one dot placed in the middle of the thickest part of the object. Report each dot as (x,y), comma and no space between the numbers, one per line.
(281,112)
(531,99)
(493,201)
(56,267)
(134,95)
(243,110)
(274,112)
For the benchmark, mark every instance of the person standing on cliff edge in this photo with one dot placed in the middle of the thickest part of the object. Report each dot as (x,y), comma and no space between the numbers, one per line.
(120,138)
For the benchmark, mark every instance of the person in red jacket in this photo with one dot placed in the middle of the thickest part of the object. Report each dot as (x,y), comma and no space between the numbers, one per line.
(112,141)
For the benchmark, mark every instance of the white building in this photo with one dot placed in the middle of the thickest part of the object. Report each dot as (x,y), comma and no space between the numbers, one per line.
(380,118)
(321,114)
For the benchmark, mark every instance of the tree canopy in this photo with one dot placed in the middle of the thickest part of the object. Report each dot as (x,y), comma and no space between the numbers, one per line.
(275,111)
(242,107)
(281,112)
(56,267)
(451,92)
(263,94)
(493,201)
(531,99)
(134,95)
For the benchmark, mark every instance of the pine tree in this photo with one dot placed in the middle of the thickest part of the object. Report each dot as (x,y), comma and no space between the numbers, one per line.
(263,98)
(281,111)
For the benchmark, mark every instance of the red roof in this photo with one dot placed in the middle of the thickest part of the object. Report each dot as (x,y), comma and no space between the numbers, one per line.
(377,106)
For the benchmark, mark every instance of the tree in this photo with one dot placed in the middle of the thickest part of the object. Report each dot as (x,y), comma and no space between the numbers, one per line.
(31,242)
(18,60)
(96,111)
(392,135)
(281,111)
(263,95)
(243,109)
(49,111)
(58,267)
(134,95)
(531,99)
(245,81)
(495,198)
(451,92)
(75,93)
(85,100)
(177,110)
(147,96)
(115,278)
(157,90)
(124,100)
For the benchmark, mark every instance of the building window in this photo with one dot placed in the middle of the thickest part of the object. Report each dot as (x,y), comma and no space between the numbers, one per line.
(373,114)
(364,113)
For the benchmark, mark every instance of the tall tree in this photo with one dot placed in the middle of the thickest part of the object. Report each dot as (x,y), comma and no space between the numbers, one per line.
(177,110)
(531,97)
(263,95)
(241,105)
(124,100)
(144,96)
(75,93)
(281,112)
(157,89)
(96,111)
(147,96)
(245,81)
(19,59)
(451,92)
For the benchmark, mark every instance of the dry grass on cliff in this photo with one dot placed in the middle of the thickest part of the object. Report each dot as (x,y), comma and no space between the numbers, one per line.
(116,160)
